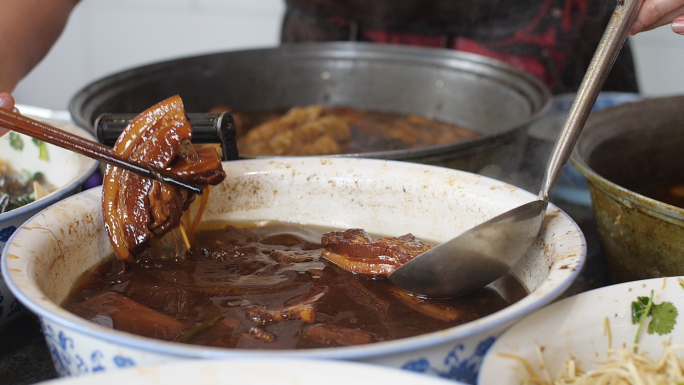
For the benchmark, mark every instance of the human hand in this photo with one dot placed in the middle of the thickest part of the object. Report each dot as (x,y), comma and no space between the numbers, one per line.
(6,102)
(655,13)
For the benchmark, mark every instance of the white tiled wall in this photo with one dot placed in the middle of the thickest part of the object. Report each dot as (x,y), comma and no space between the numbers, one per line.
(659,59)
(105,36)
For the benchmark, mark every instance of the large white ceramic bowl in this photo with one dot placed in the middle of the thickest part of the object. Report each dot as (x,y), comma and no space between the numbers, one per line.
(574,327)
(256,371)
(383,197)
(63,169)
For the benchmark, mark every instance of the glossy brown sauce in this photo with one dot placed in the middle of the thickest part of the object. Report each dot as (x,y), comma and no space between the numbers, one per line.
(240,288)
(373,131)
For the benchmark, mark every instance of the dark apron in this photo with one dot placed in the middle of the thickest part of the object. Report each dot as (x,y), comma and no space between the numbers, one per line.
(552,39)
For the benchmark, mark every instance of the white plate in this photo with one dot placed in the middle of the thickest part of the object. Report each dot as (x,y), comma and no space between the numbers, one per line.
(573,328)
(258,372)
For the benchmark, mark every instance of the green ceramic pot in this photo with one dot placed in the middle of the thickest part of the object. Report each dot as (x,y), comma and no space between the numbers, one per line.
(622,152)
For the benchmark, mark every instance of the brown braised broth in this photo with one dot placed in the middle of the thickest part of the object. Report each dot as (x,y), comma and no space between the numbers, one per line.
(238,289)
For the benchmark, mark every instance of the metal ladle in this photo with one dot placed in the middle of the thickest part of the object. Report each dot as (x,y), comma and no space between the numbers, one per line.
(484,253)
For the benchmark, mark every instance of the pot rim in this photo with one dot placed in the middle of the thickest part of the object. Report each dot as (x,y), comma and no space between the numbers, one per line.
(663,211)
(537,94)
(561,275)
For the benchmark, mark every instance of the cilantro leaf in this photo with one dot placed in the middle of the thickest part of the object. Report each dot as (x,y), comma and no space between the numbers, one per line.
(42,149)
(20,201)
(15,141)
(641,308)
(664,317)
(28,176)
(43,152)
(638,308)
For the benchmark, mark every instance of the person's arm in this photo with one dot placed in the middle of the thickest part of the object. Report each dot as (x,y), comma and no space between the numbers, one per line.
(28,28)
(656,13)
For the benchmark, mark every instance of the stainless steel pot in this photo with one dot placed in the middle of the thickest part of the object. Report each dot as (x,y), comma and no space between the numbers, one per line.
(487,96)
(623,152)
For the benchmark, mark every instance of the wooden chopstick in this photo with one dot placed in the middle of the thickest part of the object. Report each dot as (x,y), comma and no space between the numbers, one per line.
(38,130)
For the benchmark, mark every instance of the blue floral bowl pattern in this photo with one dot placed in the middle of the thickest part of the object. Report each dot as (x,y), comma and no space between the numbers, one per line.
(55,247)
(75,354)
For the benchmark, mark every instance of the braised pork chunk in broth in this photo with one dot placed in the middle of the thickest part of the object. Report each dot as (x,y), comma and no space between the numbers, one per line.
(355,251)
(318,130)
(135,208)
(301,131)
(248,287)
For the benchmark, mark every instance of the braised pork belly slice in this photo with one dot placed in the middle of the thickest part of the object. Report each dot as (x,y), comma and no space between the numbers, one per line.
(133,317)
(355,251)
(135,208)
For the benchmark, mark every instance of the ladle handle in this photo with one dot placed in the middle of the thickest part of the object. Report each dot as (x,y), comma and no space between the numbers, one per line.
(599,68)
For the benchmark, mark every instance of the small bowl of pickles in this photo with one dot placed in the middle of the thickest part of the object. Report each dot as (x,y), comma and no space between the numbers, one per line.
(33,176)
